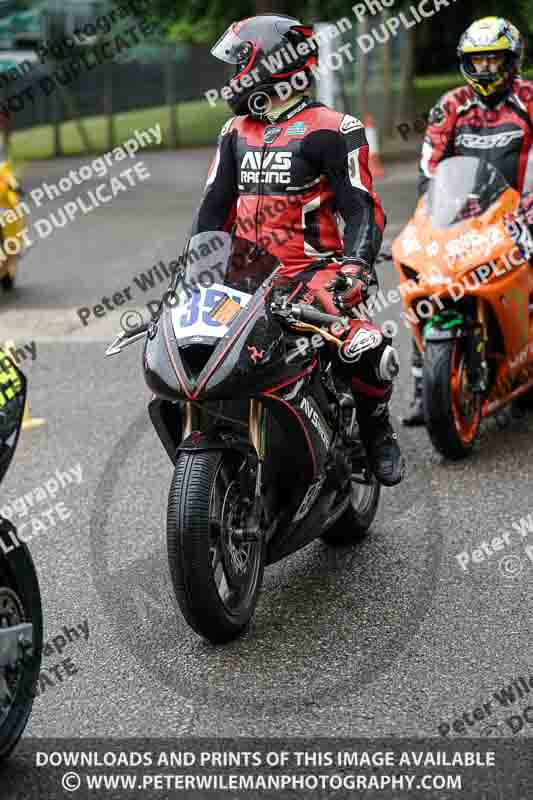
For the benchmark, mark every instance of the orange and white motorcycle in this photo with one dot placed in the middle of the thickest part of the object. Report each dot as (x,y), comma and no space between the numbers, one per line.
(468,296)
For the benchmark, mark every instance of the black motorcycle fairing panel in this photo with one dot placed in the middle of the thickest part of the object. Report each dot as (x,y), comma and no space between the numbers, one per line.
(291,536)
(288,457)
(160,374)
(171,369)
(222,439)
(303,401)
(166,419)
(251,356)
(255,361)
(222,360)
(12,402)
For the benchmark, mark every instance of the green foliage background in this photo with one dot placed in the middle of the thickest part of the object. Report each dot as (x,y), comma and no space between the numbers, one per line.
(202,21)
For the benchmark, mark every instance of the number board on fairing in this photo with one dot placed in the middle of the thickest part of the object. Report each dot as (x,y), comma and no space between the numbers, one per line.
(193,317)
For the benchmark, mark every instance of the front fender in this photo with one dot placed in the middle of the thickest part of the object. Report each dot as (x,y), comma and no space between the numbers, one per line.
(166,417)
(216,440)
(446,325)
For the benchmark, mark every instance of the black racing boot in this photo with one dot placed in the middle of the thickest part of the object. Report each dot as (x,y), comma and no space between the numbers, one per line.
(415,415)
(380,441)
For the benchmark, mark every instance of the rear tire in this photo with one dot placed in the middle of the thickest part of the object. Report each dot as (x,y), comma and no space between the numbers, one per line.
(358,517)
(15,602)
(452,411)
(216,579)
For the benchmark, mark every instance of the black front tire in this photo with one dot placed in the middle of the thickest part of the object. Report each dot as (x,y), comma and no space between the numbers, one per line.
(452,431)
(192,532)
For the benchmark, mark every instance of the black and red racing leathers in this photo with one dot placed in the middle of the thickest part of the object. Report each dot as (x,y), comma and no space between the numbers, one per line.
(283,185)
(461,124)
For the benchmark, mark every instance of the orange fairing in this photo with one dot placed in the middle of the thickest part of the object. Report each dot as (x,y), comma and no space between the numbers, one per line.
(453,251)
(473,258)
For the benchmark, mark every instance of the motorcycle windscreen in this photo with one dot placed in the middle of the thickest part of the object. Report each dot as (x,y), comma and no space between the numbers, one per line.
(221,275)
(463,187)
(12,401)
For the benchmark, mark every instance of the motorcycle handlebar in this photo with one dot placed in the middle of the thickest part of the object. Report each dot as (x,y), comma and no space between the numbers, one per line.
(309,314)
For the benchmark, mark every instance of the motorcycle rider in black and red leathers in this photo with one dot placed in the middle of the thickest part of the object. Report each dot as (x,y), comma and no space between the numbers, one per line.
(492,119)
(285,166)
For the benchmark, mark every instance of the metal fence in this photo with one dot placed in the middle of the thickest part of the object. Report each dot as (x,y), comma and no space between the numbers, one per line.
(177,75)
(161,74)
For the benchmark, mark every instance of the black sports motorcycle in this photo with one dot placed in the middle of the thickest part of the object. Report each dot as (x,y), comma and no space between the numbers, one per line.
(21,624)
(261,432)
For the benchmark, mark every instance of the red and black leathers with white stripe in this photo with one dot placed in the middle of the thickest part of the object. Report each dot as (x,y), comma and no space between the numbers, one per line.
(284,184)
(462,124)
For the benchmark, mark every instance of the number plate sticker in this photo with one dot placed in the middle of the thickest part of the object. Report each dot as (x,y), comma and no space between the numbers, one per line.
(193,317)
(225,311)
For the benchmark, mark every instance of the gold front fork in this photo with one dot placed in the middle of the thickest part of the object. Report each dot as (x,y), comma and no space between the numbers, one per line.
(256,428)
(257,438)
(192,420)
(482,317)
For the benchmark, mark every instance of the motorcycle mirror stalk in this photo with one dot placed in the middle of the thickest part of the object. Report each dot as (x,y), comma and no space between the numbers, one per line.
(126,338)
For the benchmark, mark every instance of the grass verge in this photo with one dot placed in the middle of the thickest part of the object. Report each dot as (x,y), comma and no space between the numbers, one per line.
(198,124)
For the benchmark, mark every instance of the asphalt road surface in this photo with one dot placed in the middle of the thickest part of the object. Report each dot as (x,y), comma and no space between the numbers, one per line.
(392,637)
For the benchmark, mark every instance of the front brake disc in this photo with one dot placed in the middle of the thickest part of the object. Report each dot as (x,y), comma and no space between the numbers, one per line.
(11,613)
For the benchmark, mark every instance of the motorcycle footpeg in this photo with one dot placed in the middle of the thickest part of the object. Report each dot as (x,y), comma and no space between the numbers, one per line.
(15,644)
(362,477)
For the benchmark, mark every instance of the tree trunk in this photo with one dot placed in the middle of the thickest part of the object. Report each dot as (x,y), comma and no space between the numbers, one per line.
(407,77)
(108,105)
(388,99)
(170,93)
(362,106)
(56,125)
(70,104)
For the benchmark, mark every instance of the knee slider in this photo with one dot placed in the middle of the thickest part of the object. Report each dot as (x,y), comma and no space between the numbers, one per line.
(361,342)
(389,364)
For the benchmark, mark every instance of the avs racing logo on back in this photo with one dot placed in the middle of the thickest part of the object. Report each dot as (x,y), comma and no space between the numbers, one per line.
(273,167)
(313,415)
(477,141)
